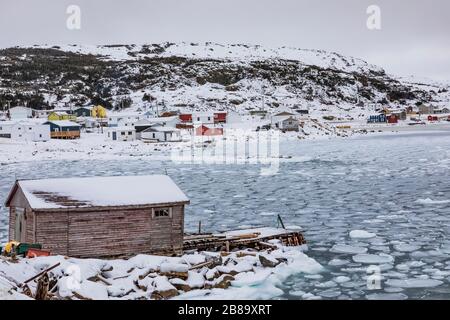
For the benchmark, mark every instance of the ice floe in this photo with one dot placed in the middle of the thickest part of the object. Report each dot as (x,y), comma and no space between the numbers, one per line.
(373,258)
(344,248)
(413,283)
(361,234)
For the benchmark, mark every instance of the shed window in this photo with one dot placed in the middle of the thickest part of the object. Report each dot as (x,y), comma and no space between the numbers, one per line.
(162,212)
(122,133)
(130,133)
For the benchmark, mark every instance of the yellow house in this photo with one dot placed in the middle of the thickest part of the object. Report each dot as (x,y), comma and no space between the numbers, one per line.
(99,112)
(58,116)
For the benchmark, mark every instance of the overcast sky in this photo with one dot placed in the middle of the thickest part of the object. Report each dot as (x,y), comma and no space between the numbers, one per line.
(414,36)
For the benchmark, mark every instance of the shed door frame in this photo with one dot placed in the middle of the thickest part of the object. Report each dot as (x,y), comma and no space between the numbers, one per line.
(20,224)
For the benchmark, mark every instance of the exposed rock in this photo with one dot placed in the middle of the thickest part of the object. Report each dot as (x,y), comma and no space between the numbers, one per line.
(268,262)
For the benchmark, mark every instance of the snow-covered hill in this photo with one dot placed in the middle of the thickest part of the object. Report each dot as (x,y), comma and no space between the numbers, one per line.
(205,76)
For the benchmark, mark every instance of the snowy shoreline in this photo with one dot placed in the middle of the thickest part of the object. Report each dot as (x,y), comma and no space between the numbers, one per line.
(94,146)
(238,275)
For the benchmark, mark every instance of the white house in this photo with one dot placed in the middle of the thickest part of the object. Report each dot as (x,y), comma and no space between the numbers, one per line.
(276,118)
(124,120)
(288,124)
(25,130)
(17,113)
(161,134)
(203,118)
(162,121)
(122,133)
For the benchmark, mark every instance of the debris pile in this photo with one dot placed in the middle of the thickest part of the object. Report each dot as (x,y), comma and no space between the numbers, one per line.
(193,275)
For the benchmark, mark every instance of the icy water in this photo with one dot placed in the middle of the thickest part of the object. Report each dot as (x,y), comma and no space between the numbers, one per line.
(396,187)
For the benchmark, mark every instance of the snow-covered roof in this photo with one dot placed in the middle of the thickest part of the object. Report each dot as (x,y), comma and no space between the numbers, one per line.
(23,122)
(64,123)
(122,128)
(20,108)
(100,192)
(161,129)
(161,119)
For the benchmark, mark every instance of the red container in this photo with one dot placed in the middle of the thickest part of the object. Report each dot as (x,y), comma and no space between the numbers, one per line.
(33,253)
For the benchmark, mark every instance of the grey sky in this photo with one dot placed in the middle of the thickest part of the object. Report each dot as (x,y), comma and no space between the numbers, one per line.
(414,39)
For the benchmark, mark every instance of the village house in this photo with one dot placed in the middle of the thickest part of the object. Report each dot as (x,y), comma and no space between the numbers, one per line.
(400,115)
(122,133)
(441,110)
(392,118)
(83,112)
(203,118)
(64,129)
(208,118)
(206,131)
(424,109)
(124,120)
(141,125)
(288,124)
(41,113)
(276,118)
(161,134)
(24,130)
(91,111)
(17,113)
(99,216)
(60,116)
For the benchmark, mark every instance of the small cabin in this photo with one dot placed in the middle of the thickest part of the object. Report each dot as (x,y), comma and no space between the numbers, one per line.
(288,124)
(64,129)
(99,216)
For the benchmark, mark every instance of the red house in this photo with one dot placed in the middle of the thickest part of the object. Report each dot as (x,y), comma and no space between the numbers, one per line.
(392,119)
(205,131)
(220,117)
(187,117)
(432,118)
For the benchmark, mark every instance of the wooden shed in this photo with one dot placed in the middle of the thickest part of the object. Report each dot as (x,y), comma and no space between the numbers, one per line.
(99,216)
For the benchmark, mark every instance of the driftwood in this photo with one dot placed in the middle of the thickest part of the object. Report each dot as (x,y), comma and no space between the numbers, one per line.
(27,291)
(80,297)
(40,274)
(266,245)
(42,287)
(99,278)
(203,264)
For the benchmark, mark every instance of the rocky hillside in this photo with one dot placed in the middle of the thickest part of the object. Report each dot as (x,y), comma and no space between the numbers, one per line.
(202,76)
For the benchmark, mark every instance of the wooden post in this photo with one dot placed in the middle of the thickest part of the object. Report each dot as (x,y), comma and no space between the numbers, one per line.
(200,227)
(280,221)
